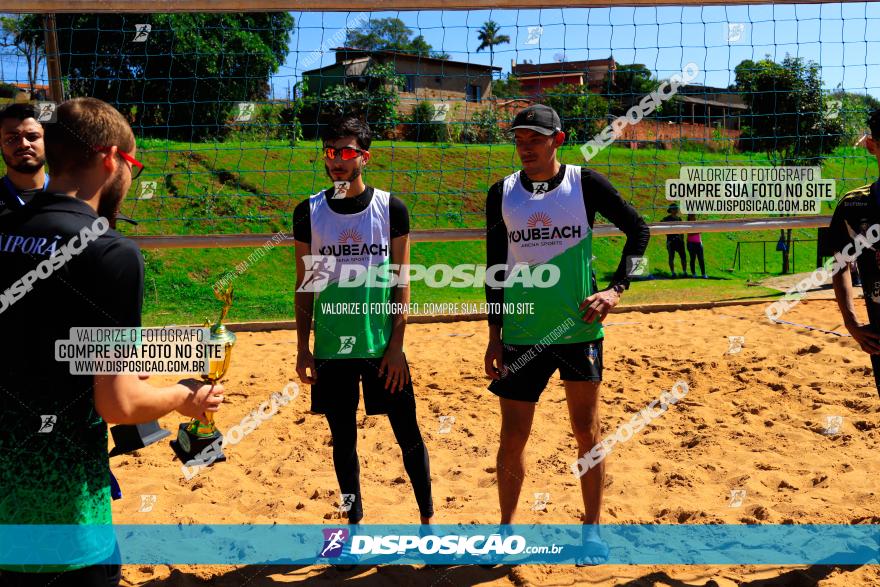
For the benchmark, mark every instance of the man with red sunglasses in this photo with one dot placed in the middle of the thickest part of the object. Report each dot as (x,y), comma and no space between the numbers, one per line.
(63,267)
(355,227)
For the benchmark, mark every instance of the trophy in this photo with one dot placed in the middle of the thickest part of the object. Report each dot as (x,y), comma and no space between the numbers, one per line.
(198,441)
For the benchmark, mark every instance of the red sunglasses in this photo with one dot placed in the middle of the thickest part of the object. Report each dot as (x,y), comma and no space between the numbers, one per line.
(134,162)
(347,153)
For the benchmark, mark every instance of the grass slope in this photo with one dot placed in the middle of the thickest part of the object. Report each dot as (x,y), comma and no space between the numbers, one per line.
(253,186)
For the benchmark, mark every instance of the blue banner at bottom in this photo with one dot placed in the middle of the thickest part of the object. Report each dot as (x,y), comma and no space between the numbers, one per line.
(721,544)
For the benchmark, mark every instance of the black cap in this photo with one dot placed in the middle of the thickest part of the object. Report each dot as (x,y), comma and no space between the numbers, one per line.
(874,123)
(539,118)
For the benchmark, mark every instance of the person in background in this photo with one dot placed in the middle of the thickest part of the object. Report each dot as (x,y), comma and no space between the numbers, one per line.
(674,242)
(21,143)
(695,250)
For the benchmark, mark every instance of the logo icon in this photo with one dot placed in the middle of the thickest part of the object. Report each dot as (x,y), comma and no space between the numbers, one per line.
(341,189)
(440,112)
(245,112)
(537,218)
(735,344)
(539,188)
(541,501)
(346,501)
(737,496)
(735,31)
(636,266)
(833,109)
(446,423)
(47,423)
(45,111)
(334,540)
(875,292)
(147,503)
(833,424)
(592,352)
(142,31)
(350,235)
(534,35)
(318,269)
(148,190)
(346,345)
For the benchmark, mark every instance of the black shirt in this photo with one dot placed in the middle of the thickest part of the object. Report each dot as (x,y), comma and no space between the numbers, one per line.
(302,226)
(11,198)
(673,238)
(854,214)
(100,285)
(599,196)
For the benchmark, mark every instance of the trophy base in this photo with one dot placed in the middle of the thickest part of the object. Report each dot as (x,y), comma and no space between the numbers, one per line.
(131,437)
(196,450)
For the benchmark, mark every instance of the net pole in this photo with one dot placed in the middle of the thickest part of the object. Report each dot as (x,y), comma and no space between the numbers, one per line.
(53,65)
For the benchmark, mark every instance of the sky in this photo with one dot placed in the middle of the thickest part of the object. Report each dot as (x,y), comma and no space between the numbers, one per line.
(844,39)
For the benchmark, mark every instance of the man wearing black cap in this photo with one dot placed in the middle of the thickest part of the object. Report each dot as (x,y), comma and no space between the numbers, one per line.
(856,213)
(542,217)
(21,142)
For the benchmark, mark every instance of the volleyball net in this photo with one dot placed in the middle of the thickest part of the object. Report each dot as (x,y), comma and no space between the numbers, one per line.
(228,108)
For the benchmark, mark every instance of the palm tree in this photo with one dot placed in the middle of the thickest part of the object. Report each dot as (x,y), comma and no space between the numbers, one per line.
(489,37)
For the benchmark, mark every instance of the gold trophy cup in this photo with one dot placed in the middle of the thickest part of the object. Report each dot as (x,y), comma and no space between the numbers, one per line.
(198,441)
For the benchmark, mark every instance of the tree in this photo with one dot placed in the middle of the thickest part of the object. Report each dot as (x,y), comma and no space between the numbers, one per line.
(853,110)
(787,112)
(27,46)
(373,98)
(507,88)
(186,79)
(626,85)
(489,38)
(581,111)
(390,34)
(787,116)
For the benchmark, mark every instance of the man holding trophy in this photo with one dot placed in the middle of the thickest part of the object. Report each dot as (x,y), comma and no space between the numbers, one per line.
(63,266)
(353,226)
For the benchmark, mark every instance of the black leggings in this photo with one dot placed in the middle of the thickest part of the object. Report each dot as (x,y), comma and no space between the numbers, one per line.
(343,429)
(673,247)
(695,250)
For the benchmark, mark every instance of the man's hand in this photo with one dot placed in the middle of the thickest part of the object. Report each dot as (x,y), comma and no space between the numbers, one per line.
(393,366)
(203,398)
(866,336)
(304,362)
(494,359)
(599,304)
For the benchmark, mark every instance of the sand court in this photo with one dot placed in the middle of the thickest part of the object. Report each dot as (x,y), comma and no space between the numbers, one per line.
(783,430)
